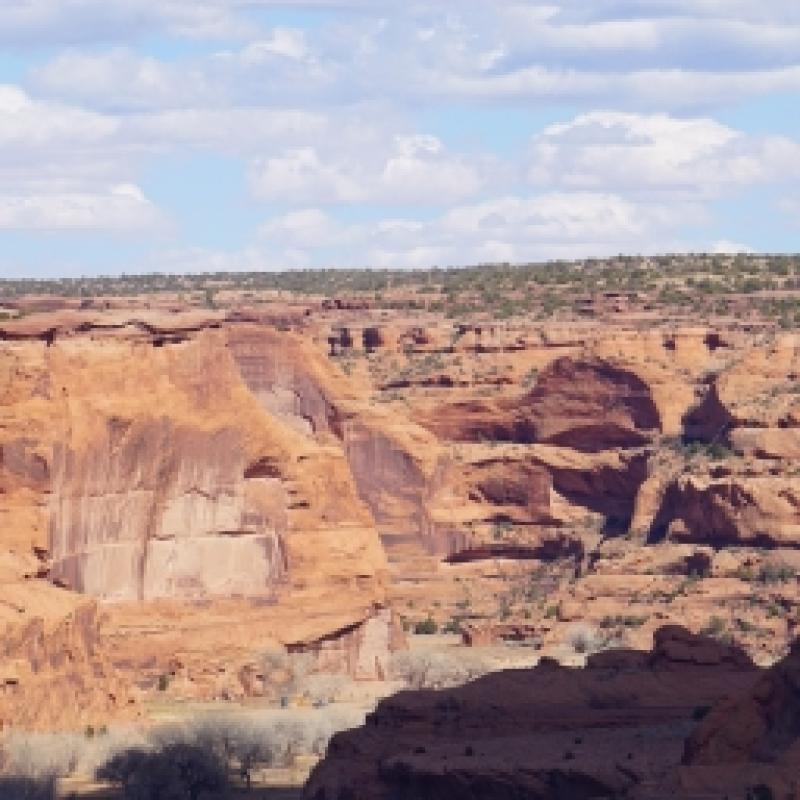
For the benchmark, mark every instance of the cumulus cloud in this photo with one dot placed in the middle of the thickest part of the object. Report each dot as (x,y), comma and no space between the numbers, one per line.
(121,79)
(330,112)
(300,174)
(42,22)
(506,228)
(60,171)
(62,143)
(657,152)
(122,208)
(413,168)
(638,55)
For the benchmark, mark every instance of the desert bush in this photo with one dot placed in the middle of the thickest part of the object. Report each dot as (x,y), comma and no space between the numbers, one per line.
(323,688)
(308,733)
(42,755)
(249,741)
(453,625)
(179,771)
(585,639)
(437,670)
(14,787)
(233,740)
(776,573)
(426,626)
(715,626)
(623,621)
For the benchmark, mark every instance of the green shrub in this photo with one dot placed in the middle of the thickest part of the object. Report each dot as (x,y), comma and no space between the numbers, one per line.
(453,626)
(426,627)
(776,573)
(715,627)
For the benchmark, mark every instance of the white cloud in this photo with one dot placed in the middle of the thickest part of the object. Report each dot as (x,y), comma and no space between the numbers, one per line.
(403,170)
(638,55)
(421,171)
(727,247)
(657,152)
(121,79)
(504,229)
(51,147)
(300,174)
(284,42)
(42,22)
(308,228)
(122,208)
(333,114)
(26,123)
(63,168)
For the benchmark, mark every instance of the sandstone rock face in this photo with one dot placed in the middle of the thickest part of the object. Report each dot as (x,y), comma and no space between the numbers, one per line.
(196,499)
(586,404)
(54,672)
(767,443)
(391,460)
(606,471)
(747,495)
(614,728)
(591,405)
(606,483)
(587,419)
(755,511)
(221,486)
(151,509)
(362,650)
(290,380)
(143,473)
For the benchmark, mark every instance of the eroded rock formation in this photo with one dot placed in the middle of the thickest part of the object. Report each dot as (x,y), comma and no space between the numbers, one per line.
(616,728)
(159,476)
(221,486)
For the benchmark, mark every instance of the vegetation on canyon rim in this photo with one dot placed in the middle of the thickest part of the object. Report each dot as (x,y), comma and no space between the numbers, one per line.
(765,285)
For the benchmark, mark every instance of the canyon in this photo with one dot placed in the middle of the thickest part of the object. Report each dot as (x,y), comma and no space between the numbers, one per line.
(184,489)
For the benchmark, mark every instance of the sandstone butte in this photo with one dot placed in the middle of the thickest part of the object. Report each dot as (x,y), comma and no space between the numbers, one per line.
(181,491)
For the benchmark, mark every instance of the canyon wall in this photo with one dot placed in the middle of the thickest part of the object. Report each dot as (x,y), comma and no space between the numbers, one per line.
(201,489)
(151,477)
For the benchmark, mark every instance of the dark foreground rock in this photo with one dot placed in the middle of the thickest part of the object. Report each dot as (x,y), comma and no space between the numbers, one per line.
(693,718)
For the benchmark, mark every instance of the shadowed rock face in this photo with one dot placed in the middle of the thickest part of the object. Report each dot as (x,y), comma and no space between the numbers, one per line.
(388,478)
(607,488)
(730,511)
(761,725)
(386,457)
(586,404)
(591,405)
(615,728)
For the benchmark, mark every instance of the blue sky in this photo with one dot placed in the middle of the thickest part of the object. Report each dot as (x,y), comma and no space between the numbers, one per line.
(183,135)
